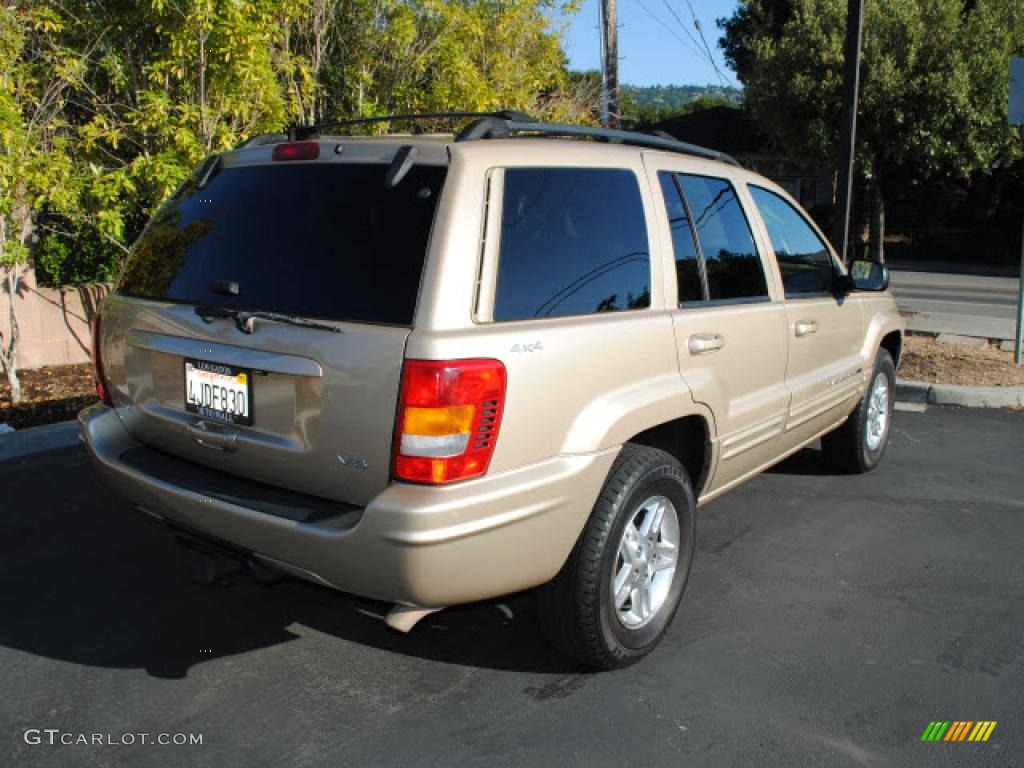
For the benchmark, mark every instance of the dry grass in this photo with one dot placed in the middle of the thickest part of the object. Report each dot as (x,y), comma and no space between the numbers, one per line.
(48,394)
(924,359)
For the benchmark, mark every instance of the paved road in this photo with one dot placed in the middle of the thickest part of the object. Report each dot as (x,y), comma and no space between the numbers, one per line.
(828,620)
(972,305)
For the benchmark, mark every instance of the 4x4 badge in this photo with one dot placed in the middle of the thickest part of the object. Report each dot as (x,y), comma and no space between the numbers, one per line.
(354,463)
(535,346)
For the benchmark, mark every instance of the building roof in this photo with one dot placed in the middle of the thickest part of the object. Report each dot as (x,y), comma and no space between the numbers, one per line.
(725,129)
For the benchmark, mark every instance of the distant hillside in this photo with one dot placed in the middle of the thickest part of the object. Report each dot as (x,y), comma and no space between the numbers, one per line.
(672,98)
(647,104)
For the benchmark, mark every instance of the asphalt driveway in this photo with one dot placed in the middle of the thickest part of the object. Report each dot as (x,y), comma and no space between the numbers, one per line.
(827,622)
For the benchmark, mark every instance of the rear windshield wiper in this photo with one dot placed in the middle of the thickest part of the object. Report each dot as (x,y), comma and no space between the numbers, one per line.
(244,320)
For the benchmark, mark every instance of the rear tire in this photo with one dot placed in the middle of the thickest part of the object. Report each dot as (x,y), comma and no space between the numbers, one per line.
(859,444)
(615,596)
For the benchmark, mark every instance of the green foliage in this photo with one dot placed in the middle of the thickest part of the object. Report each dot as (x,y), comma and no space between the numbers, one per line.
(76,257)
(933,80)
(636,114)
(160,84)
(36,71)
(643,105)
(646,104)
(205,74)
(391,56)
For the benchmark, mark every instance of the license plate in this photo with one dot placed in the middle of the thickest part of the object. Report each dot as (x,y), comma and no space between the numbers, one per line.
(218,391)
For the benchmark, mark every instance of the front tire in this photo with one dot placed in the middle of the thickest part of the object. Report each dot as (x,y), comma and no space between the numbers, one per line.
(615,596)
(858,445)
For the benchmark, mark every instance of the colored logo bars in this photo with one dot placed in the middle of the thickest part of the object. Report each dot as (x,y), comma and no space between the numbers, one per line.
(958,730)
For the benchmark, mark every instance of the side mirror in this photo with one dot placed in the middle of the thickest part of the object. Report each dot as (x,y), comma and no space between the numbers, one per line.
(868,276)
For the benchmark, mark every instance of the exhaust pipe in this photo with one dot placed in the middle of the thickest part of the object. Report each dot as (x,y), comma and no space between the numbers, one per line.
(405,617)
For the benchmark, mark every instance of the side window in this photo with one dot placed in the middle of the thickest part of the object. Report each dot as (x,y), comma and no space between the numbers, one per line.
(734,269)
(804,260)
(573,242)
(683,243)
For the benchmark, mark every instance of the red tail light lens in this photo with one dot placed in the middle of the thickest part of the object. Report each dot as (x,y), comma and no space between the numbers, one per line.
(297,150)
(449,413)
(102,390)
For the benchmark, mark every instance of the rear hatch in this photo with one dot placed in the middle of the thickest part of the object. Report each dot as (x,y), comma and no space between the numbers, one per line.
(260,325)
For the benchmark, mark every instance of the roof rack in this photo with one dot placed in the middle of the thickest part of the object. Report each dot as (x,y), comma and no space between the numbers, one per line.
(506,123)
(300,132)
(498,127)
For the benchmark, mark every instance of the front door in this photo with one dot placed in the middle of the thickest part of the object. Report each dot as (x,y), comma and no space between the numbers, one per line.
(827,368)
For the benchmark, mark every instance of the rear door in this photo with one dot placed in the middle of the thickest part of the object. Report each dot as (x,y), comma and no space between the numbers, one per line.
(731,335)
(826,332)
(198,348)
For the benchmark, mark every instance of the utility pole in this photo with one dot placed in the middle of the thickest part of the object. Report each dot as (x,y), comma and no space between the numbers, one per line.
(848,126)
(1015,113)
(609,64)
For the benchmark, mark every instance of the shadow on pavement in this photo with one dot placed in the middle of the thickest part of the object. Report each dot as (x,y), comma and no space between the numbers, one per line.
(810,462)
(88,581)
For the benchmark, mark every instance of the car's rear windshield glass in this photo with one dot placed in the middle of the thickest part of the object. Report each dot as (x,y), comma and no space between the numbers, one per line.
(320,240)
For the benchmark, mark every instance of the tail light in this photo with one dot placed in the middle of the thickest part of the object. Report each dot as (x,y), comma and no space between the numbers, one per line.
(449,413)
(102,389)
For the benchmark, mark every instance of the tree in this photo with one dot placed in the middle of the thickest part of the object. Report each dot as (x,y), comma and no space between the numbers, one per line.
(177,79)
(36,73)
(382,57)
(933,85)
(159,84)
(205,75)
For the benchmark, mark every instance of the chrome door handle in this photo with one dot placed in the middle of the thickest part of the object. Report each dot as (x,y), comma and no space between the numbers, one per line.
(804,327)
(211,437)
(702,343)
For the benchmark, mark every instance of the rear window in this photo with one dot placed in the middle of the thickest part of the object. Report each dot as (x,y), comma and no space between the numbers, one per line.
(318,240)
(573,242)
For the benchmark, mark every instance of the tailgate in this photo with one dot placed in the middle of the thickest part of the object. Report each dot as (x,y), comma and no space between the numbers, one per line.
(260,324)
(322,404)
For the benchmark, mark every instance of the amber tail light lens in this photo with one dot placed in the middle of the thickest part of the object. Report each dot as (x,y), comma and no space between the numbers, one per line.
(102,388)
(449,414)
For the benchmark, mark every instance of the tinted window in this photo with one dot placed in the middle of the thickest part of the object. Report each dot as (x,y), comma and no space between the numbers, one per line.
(734,269)
(687,270)
(573,241)
(322,240)
(804,260)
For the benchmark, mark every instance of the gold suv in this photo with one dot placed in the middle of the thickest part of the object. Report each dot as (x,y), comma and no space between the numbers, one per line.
(436,369)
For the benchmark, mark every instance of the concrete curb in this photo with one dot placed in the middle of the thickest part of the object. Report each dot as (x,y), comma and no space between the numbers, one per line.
(26,442)
(951,394)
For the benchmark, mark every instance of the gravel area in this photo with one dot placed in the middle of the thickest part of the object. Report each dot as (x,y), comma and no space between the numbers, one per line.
(51,394)
(924,359)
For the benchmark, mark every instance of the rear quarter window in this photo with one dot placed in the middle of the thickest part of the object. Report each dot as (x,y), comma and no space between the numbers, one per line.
(573,242)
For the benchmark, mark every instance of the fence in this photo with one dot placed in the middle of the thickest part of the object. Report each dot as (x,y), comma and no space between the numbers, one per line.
(53,322)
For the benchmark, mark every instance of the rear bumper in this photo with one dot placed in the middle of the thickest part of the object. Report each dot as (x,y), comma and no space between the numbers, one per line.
(420,545)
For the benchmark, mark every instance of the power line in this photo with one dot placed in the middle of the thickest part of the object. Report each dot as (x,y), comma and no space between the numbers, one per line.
(690,46)
(683,27)
(700,46)
(700,31)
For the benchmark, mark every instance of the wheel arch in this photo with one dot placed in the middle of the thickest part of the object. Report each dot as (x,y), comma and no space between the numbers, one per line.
(893,343)
(884,330)
(688,439)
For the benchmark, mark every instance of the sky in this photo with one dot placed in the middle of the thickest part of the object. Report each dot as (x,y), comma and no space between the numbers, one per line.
(654,47)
